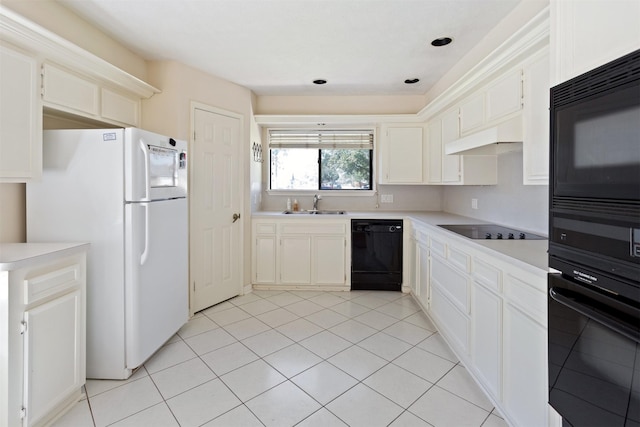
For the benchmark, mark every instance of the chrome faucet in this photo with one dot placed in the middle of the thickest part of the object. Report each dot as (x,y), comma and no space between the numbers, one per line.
(316,197)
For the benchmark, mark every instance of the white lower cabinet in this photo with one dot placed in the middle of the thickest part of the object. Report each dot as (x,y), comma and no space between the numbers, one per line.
(486,336)
(493,315)
(295,260)
(419,267)
(525,369)
(51,347)
(42,334)
(304,254)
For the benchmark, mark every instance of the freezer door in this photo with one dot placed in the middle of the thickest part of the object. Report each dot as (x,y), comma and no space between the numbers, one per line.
(156,270)
(155,166)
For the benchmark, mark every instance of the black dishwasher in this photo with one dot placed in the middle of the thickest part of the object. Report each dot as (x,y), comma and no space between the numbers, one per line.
(376,254)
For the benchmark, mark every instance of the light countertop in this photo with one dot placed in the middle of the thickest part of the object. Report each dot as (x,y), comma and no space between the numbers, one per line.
(19,255)
(529,254)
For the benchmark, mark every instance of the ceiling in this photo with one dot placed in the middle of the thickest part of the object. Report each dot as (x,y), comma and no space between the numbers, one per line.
(278,47)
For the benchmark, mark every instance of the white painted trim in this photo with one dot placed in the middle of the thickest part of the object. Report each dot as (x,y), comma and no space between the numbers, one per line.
(26,34)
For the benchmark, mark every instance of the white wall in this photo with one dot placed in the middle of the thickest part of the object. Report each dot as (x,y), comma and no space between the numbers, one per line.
(405,198)
(509,203)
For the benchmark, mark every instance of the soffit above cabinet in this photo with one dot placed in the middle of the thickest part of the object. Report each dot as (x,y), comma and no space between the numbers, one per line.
(49,46)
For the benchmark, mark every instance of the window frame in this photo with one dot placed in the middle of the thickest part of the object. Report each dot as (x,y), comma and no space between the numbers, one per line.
(333,192)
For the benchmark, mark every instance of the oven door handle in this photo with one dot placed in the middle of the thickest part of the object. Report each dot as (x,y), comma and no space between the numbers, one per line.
(581,304)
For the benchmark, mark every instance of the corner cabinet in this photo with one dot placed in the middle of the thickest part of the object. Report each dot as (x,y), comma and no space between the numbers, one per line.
(307,253)
(403,155)
(42,337)
(20,115)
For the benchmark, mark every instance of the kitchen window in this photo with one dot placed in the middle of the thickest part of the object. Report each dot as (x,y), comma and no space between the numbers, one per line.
(321,159)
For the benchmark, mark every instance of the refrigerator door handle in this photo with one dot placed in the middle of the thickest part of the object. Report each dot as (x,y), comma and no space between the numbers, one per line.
(145,252)
(145,154)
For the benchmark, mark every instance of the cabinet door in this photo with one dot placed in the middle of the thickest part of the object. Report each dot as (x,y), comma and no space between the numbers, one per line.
(525,369)
(423,274)
(20,117)
(69,92)
(329,260)
(295,260)
(450,163)
(535,146)
(120,108)
(582,32)
(472,113)
(54,358)
(403,156)
(265,267)
(504,96)
(434,151)
(486,337)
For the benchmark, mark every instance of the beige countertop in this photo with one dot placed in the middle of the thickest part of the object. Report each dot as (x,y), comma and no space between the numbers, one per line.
(19,255)
(528,254)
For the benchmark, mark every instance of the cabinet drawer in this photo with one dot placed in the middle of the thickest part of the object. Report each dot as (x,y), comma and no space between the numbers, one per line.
(451,282)
(42,285)
(488,275)
(266,228)
(526,298)
(451,321)
(438,247)
(459,259)
(311,228)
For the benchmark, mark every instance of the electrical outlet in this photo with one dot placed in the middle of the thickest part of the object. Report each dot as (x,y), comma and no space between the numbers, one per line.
(474,203)
(386,198)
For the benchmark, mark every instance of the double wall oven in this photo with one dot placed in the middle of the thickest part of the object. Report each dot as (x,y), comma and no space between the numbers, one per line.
(594,247)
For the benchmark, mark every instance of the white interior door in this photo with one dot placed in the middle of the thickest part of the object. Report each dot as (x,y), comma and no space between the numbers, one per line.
(215,200)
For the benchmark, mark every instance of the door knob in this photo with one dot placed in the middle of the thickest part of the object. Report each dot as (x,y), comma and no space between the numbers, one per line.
(236,216)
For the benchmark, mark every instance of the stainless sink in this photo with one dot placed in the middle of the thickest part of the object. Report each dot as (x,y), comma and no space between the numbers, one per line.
(316,212)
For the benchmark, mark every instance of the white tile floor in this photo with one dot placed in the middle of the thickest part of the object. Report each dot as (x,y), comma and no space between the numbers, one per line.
(273,358)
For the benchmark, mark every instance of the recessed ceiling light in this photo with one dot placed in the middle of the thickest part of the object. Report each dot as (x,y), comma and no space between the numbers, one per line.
(442,41)
(411,81)
(319,81)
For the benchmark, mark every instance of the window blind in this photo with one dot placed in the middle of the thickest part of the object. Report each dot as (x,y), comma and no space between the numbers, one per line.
(321,139)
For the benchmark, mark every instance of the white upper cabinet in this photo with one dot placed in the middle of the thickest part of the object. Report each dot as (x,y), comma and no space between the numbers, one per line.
(434,152)
(450,122)
(35,71)
(587,34)
(472,113)
(453,169)
(535,144)
(504,96)
(20,115)
(72,93)
(403,155)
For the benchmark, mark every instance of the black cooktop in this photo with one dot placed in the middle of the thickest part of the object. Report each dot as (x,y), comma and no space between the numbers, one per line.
(491,232)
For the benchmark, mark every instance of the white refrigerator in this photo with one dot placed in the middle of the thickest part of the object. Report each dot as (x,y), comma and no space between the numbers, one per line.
(125,192)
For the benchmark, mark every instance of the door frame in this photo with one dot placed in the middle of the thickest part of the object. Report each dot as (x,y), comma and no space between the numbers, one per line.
(195,105)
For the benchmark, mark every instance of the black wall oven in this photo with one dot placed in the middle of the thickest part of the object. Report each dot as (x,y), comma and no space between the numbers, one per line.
(594,244)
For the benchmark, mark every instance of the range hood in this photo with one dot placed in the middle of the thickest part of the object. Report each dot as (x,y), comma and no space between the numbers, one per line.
(488,141)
